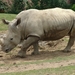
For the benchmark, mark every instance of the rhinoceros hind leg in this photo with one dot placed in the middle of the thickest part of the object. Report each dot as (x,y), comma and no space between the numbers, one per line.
(36,50)
(69,45)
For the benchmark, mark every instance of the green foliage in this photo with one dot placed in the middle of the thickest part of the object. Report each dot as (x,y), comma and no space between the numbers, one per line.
(72,1)
(3,6)
(44,4)
(49,4)
(33,4)
(63,4)
(54,3)
(73,7)
(18,6)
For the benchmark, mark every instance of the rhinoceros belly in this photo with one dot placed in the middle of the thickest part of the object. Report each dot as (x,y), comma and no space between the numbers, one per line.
(55,35)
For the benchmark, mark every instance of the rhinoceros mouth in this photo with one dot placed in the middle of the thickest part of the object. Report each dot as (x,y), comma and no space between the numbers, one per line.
(7,50)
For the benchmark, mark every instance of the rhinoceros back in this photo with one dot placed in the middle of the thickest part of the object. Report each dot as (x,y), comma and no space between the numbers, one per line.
(57,23)
(49,24)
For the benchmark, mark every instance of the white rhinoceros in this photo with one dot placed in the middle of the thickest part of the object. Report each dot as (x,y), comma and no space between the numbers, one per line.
(33,25)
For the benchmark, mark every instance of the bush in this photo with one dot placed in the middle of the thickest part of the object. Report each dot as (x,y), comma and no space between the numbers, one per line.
(63,4)
(49,4)
(3,6)
(72,1)
(35,4)
(17,6)
(42,4)
(73,7)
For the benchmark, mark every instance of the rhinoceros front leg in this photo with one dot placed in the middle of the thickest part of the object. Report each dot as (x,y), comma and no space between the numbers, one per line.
(26,43)
(36,50)
(70,44)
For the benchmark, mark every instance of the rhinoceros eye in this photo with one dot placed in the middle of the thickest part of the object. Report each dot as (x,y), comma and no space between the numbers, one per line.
(11,38)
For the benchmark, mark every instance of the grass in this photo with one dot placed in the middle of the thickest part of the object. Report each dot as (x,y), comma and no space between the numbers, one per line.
(7,17)
(68,70)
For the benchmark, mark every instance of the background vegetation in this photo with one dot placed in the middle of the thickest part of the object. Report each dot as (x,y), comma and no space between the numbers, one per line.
(3,6)
(19,5)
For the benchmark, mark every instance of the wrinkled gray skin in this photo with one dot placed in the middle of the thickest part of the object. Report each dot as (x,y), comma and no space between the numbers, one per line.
(33,25)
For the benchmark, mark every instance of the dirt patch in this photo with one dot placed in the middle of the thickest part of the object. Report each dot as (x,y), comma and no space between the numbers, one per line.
(21,68)
(48,50)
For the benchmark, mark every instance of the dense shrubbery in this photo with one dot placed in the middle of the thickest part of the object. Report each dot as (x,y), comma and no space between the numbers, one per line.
(19,5)
(3,6)
(63,4)
(73,7)
(44,4)
(72,1)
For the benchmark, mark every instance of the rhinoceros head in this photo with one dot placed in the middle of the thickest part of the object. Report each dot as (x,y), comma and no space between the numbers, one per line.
(12,38)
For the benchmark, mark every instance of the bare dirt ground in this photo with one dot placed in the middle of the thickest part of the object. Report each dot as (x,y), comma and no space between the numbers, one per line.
(48,50)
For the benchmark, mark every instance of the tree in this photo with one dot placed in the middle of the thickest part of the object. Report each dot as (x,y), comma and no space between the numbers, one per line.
(17,6)
(73,7)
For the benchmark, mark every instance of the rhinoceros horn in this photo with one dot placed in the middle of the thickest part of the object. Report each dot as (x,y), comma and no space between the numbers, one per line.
(1,41)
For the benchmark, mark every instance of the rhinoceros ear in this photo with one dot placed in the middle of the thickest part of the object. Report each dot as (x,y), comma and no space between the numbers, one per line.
(18,21)
(5,21)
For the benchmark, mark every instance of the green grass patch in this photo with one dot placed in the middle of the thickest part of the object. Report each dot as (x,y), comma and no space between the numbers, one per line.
(7,17)
(67,70)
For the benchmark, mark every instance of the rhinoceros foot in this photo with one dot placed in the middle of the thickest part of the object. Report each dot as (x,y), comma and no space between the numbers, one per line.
(21,54)
(66,51)
(35,53)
